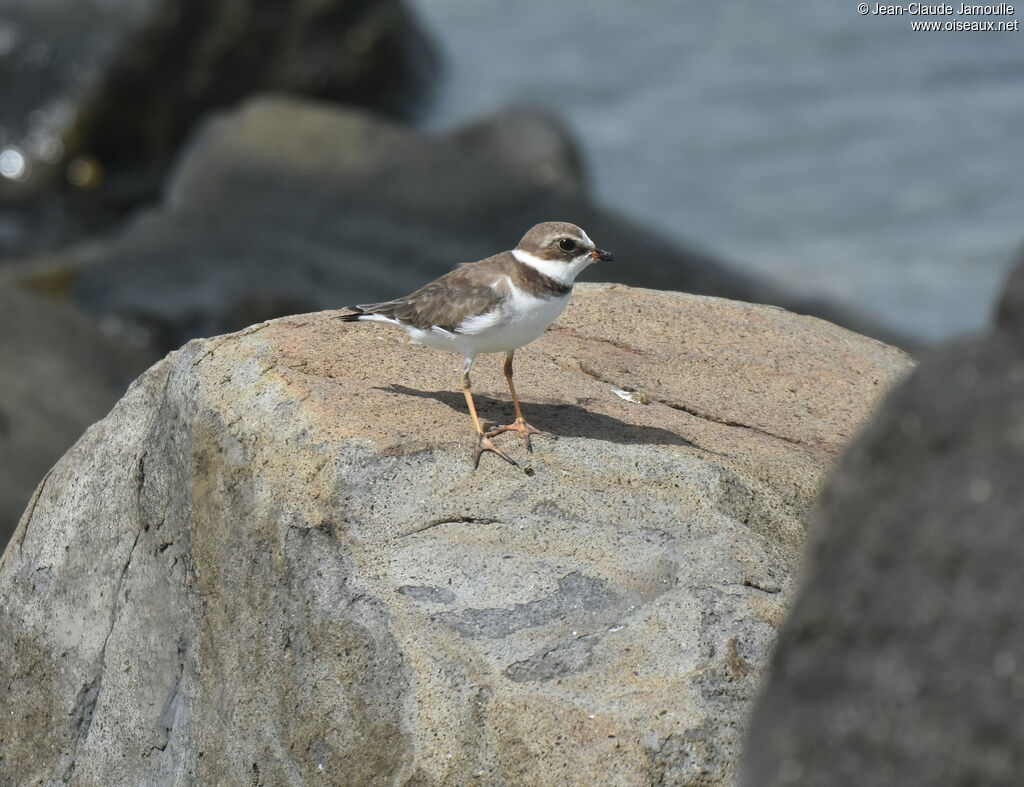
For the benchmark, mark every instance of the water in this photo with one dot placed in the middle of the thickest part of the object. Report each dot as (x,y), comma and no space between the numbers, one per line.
(840,154)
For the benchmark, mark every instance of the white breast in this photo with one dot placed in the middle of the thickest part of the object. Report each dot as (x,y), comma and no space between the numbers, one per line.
(521,319)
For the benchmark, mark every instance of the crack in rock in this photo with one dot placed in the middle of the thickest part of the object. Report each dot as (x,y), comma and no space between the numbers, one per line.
(81,715)
(450,520)
(589,370)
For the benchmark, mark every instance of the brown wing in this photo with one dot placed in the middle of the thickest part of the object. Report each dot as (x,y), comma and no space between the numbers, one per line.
(447,301)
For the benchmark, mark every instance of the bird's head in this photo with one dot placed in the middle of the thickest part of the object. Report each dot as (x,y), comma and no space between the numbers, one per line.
(559,250)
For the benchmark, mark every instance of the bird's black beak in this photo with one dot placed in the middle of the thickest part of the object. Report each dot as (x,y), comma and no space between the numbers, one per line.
(600,255)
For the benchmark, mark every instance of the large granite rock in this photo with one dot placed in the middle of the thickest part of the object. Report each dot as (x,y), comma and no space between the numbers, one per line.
(287,206)
(58,374)
(902,661)
(274,561)
(96,88)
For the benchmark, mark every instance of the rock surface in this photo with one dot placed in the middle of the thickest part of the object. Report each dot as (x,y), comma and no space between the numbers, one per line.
(274,561)
(901,662)
(58,374)
(286,206)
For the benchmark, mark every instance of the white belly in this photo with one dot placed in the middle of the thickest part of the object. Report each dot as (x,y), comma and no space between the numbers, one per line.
(521,319)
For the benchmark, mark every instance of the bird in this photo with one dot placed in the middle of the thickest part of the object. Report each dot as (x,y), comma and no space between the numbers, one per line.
(495,305)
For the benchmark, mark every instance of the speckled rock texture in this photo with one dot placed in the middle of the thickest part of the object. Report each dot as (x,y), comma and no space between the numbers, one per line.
(902,661)
(274,563)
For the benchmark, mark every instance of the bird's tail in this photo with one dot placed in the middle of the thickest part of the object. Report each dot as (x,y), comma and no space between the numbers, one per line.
(352,315)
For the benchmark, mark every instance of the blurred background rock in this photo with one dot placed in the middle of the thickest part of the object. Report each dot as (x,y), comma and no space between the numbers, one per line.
(99,94)
(153,191)
(899,662)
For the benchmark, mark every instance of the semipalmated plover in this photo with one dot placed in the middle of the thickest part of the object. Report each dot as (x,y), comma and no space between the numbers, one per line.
(495,305)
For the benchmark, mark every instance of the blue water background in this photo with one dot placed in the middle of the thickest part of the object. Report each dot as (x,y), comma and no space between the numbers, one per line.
(839,154)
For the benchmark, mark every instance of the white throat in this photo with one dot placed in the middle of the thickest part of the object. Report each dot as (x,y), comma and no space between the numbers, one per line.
(562,272)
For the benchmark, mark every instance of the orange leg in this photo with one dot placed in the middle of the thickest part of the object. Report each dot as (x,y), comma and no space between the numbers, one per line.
(520,425)
(483,442)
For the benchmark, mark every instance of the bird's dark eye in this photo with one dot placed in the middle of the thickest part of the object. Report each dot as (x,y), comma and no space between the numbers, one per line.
(567,244)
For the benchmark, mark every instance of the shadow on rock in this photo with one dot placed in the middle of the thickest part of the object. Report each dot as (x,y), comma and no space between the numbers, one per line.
(562,420)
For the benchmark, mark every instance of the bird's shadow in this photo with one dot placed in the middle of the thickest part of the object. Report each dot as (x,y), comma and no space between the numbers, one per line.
(563,420)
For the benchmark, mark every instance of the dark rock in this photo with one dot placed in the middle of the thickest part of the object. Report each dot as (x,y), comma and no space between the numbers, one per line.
(191,56)
(1010,309)
(52,55)
(902,660)
(58,375)
(288,206)
(100,93)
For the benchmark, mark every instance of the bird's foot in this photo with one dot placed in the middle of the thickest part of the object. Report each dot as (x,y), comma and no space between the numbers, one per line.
(485,444)
(524,429)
